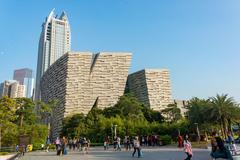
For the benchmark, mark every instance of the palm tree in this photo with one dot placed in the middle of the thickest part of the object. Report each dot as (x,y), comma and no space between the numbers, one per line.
(222,111)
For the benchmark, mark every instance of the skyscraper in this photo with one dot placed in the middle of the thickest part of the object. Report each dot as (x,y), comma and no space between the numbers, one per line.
(55,40)
(25,77)
(152,87)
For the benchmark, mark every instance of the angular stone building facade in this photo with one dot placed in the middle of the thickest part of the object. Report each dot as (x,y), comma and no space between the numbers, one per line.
(152,87)
(79,80)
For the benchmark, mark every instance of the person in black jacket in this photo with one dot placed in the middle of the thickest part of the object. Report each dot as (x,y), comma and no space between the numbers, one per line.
(218,148)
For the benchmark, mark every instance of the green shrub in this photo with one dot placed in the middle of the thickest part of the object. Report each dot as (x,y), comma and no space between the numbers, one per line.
(37,146)
(52,146)
(3,153)
(166,139)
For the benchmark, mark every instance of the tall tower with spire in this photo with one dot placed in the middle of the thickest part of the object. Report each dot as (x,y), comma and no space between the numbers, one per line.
(55,41)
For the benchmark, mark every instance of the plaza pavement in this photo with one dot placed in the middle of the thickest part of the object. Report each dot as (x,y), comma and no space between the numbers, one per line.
(99,154)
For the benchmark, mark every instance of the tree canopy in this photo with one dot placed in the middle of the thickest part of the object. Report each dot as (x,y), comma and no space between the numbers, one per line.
(18,117)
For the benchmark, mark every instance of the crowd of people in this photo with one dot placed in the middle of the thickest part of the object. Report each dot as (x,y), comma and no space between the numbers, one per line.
(81,144)
(135,143)
(128,142)
(220,148)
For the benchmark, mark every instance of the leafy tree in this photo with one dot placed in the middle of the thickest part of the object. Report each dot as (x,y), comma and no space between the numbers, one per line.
(197,110)
(7,118)
(74,125)
(25,111)
(45,110)
(9,133)
(152,116)
(172,112)
(126,106)
(18,117)
(7,109)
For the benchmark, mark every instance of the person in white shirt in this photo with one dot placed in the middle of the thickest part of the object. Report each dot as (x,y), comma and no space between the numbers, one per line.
(136,146)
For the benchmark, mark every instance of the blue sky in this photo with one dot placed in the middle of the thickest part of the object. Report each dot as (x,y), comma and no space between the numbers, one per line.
(198,41)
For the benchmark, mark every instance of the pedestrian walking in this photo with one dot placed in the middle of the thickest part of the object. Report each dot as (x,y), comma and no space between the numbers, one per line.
(58,146)
(70,144)
(74,143)
(115,143)
(180,141)
(64,146)
(107,142)
(188,148)
(48,143)
(119,143)
(136,147)
(143,141)
(85,145)
(17,148)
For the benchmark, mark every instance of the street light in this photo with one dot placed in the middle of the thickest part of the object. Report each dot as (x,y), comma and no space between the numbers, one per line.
(112,129)
(198,133)
(115,131)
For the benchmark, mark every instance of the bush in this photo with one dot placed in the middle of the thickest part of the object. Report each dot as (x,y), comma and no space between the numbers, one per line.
(4,153)
(52,146)
(37,146)
(166,139)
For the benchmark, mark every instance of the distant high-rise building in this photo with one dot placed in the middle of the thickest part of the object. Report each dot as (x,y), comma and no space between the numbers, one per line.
(25,77)
(20,74)
(5,88)
(12,89)
(82,80)
(152,87)
(55,40)
(1,89)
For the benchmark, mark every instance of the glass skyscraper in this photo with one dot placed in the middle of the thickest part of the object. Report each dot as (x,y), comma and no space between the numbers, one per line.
(25,77)
(55,40)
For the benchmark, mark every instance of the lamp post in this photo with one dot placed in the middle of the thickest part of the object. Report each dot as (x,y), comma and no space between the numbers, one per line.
(112,131)
(115,131)
(198,133)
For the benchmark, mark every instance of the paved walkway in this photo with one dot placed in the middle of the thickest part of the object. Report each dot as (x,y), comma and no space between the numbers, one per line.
(100,154)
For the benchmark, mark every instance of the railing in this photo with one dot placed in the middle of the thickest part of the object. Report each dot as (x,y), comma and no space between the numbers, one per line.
(7,149)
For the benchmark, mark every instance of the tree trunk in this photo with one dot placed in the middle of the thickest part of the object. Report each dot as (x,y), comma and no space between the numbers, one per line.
(224,128)
(221,127)
(229,125)
(21,120)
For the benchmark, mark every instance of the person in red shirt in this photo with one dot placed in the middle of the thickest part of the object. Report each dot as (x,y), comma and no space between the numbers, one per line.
(180,141)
